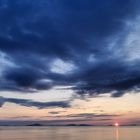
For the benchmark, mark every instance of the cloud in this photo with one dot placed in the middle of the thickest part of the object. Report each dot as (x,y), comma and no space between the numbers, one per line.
(56,112)
(92,116)
(86,116)
(77,43)
(30,103)
(89,118)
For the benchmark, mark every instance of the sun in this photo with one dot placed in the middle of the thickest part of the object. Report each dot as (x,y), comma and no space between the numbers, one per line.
(116,124)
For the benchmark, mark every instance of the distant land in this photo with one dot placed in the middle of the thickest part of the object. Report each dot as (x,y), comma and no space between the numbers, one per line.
(37,124)
(79,125)
(68,125)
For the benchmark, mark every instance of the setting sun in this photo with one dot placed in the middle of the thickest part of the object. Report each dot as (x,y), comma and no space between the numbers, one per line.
(116,124)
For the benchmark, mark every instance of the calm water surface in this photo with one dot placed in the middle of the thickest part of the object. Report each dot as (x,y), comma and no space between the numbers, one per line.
(69,133)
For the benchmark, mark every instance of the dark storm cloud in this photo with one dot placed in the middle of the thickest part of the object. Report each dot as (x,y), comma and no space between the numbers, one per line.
(33,34)
(26,78)
(30,103)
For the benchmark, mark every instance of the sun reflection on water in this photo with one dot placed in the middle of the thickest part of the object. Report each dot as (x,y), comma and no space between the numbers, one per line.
(117,133)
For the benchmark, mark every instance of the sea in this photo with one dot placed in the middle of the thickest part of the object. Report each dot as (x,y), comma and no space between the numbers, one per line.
(69,133)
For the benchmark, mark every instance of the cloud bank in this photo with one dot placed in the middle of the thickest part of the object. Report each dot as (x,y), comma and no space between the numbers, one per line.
(90,45)
(30,103)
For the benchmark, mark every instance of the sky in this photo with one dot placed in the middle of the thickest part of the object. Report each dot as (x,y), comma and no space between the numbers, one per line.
(70,61)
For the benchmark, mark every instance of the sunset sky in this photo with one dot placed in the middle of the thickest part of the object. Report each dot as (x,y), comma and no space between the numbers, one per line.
(70,61)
